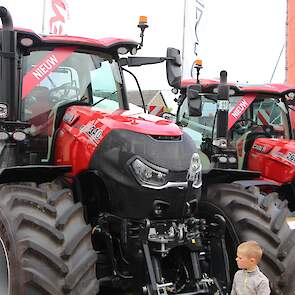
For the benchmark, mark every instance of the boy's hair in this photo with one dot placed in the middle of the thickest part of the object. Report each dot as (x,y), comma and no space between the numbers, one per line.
(252,250)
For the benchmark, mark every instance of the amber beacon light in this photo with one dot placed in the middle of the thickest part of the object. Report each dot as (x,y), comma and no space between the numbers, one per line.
(142,24)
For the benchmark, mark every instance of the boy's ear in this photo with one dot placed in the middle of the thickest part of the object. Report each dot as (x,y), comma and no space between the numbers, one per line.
(253,260)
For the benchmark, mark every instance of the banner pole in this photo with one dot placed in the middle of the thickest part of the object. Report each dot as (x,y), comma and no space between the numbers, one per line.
(43,19)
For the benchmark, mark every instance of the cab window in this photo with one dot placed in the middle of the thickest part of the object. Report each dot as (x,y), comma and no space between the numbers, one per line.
(199,127)
(105,82)
(62,75)
(265,115)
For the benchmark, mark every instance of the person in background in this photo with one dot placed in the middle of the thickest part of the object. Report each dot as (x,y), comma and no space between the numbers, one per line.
(249,280)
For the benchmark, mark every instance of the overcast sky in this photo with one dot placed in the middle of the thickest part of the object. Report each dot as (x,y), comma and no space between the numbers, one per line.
(243,37)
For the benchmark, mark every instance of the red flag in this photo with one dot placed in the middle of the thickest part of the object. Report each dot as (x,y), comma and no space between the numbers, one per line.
(61,14)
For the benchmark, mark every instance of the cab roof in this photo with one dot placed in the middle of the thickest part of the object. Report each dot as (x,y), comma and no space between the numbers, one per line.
(105,44)
(241,88)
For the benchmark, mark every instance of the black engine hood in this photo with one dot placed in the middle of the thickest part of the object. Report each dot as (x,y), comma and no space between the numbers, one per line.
(172,153)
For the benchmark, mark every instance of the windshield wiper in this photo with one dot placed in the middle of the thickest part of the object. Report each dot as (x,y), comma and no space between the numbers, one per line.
(106,97)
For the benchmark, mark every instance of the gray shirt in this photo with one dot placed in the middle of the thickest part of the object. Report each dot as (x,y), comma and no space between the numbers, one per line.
(250,283)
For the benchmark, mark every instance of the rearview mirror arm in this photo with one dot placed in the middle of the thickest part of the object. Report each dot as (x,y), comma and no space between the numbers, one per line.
(136,61)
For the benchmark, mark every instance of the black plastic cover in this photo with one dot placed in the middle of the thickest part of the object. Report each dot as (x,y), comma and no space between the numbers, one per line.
(126,196)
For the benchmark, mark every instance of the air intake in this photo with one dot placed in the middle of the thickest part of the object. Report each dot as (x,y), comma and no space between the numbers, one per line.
(167,137)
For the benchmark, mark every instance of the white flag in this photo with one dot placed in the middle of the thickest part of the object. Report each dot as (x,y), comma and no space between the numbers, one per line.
(55,17)
(193,13)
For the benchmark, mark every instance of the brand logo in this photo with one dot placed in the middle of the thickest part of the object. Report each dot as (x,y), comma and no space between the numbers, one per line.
(259,148)
(70,118)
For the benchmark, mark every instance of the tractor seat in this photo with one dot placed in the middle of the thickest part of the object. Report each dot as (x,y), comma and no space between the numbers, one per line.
(40,92)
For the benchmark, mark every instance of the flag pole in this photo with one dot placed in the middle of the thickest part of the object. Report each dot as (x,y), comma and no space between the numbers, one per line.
(183,35)
(43,19)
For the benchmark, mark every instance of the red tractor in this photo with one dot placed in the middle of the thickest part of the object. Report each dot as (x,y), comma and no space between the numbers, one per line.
(259,134)
(94,194)
(244,128)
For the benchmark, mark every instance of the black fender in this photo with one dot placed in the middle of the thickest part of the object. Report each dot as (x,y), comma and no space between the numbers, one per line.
(287,191)
(32,173)
(258,182)
(218,175)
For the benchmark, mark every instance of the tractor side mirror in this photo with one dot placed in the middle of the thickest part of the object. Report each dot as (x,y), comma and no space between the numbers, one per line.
(173,67)
(194,100)
(289,98)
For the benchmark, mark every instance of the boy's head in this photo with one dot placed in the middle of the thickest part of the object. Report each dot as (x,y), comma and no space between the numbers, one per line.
(248,255)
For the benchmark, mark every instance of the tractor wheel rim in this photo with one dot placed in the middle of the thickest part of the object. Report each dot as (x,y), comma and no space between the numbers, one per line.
(4,270)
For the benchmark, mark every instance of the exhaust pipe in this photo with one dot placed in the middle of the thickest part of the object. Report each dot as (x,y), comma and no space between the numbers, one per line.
(8,85)
(6,19)
(223,104)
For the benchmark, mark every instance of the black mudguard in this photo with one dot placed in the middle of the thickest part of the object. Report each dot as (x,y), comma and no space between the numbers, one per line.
(34,173)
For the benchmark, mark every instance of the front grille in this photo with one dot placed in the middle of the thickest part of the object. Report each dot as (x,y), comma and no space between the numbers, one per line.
(177,176)
(167,137)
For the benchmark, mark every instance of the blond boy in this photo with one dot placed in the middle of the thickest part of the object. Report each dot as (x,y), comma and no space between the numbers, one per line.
(249,280)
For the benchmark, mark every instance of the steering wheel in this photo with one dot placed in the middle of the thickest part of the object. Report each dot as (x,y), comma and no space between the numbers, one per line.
(242,125)
(245,123)
(268,130)
(66,91)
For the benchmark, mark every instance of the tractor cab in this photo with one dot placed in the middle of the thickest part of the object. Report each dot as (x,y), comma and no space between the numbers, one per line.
(52,73)
(265,117)
(56,78)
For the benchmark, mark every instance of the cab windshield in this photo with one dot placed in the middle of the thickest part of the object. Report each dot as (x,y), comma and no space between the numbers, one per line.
(263,112)
(62,75)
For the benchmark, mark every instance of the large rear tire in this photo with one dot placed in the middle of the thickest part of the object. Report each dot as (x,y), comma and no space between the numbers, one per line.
(250,216)
(46,241)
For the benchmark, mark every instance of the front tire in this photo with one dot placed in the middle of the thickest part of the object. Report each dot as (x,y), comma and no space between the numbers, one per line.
(249,216)
(47,241)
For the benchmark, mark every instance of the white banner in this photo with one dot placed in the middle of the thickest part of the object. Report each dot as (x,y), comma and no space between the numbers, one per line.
(193,13)
(55,17)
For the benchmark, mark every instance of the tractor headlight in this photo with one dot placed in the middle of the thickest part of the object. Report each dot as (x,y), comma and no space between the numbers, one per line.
(222,159)
(148,174)
(4,135)
(3,111)
(19,136)
(122,50)
(232,160)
